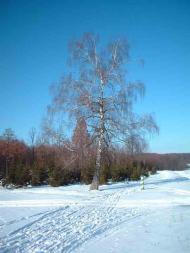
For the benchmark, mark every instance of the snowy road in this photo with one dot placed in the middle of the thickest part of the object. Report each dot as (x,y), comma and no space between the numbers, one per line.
(119,218)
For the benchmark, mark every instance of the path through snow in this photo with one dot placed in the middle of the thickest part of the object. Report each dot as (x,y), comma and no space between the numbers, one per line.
(68,219)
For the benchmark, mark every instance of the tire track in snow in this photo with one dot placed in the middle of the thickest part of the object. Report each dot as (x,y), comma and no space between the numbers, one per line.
(63,230)
(112,217)
(25,218)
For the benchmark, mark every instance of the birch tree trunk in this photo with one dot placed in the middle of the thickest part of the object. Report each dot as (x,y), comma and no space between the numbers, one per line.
(96,178)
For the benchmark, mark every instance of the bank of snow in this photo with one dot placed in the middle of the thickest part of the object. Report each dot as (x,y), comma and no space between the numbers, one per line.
(118,218)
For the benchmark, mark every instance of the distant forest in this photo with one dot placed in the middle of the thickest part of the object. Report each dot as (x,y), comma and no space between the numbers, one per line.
(53,160)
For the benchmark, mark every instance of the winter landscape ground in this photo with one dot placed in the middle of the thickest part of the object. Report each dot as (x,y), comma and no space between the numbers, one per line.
(119,218)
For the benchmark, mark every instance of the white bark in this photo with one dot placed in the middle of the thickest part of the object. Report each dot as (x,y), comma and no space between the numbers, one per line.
(96,178)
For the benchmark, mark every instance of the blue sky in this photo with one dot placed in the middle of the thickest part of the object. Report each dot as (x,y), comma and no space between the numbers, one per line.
(33,52)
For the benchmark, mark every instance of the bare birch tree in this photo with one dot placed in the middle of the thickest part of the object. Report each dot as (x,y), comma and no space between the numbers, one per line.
(97,90)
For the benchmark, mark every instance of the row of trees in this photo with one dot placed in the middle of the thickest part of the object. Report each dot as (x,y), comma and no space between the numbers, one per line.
(61,163)
(49,161)
(74,161)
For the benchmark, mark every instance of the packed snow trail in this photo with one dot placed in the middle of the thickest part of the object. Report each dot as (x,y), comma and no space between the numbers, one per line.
(64,229)
(76,217)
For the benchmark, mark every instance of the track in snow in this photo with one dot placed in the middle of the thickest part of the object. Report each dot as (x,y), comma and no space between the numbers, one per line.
(65,228)
(71,224)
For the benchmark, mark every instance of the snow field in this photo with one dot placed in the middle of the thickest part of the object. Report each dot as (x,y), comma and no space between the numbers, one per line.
(118,218)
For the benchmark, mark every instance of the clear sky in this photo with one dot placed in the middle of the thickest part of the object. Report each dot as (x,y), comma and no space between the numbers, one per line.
(33,52)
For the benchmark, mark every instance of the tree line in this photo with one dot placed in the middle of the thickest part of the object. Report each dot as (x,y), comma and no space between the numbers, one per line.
(74,161)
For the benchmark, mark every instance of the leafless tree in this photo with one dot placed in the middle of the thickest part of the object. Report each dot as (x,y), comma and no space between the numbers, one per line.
(51,134)
(97,89)
(32,137)
(135,144)
(8,136)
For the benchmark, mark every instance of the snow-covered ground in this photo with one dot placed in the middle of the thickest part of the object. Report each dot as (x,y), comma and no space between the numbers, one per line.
(119,218)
